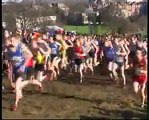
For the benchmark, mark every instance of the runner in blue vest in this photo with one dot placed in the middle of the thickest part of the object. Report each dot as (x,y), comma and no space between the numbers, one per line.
(54,58)
(109,53)
(19,64)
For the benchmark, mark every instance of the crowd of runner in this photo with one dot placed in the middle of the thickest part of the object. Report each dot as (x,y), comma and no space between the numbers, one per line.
(41,56)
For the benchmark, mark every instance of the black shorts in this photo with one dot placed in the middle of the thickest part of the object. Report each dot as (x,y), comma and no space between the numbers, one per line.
(19,74)
(132,54)
(86,57)
(53,56)
(30,72)
(92,54)
(4,67)
(120,64)
(39,67)
(109,60)
(79,61)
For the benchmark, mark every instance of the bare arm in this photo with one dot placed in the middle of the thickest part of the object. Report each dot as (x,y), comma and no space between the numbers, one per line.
(95,46)
(46,45)
(144,71)
(60,46)
(27,53)
(89,48)
(127,49)
(42,51)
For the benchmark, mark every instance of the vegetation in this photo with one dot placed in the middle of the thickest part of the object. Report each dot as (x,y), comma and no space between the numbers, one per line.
(111,17)
(101,29)
(85,29)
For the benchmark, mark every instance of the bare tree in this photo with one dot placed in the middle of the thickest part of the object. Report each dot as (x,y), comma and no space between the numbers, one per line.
(76,6)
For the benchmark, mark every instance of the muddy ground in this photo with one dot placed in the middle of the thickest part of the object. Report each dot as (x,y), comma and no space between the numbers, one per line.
(96,97)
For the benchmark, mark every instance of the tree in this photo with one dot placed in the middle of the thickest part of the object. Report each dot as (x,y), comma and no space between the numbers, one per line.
(76,6)
(142,22)
(9,14)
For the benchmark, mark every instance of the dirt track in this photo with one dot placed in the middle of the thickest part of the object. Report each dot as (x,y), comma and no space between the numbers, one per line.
(97,97)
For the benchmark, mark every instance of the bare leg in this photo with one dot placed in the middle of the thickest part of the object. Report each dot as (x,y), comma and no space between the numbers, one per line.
(126,63)
(10,76)
(143,94)
(56,63)
(40,76)
(81,72)
(76,68)
(90,66)
(123,75)
(53,74)
(115,66)
(96,60)
(136,87)
(110,68)
(18,93)
(62,61)
(35,82)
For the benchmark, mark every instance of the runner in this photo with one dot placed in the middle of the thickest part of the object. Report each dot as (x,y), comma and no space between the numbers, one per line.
(63,50)
(109,54)
(119,60)
(140,75)
(19,61)
(40,58)
(44,53)
(54,58)
(126,46)
(89,55)
(79,56)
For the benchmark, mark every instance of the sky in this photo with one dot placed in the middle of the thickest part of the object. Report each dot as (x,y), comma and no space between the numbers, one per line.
(127,0)
(8,0)
(4,0)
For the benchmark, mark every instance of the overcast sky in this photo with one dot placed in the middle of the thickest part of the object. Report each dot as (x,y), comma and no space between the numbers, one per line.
(8,0)
(105,0)
(4,0)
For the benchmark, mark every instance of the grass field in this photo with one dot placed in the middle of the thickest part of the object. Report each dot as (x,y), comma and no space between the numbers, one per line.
(85,29)
(101,29)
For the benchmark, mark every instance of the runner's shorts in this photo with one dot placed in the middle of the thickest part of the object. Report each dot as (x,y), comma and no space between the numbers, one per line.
(39,67)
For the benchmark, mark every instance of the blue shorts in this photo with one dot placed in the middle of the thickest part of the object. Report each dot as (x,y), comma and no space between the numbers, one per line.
(18,74)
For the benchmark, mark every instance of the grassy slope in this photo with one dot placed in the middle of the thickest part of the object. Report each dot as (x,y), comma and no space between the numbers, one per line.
(85,29)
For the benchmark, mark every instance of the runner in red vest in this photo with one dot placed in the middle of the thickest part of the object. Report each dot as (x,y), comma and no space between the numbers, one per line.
(140,74)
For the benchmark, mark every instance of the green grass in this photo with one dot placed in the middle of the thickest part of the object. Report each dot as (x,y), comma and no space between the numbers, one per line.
(144,33)
(101,29)
(85,29)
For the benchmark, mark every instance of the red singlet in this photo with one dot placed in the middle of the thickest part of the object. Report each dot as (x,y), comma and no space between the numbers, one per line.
(30,63)
(140,65)
(80,51)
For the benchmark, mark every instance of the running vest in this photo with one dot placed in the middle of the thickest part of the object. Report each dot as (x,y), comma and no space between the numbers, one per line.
(119,58)
(85,48)
(17,58)
(139,66)
(80,51)
(63,46)
(40,58)
(110,53)
(30,63)
(54,48)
